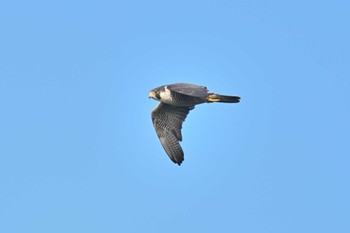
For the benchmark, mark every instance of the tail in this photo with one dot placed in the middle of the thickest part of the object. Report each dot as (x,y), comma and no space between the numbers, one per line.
(223,98)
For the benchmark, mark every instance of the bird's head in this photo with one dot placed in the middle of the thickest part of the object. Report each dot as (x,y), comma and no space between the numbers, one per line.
(155,94)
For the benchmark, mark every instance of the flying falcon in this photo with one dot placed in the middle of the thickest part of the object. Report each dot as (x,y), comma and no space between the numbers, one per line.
(176,101)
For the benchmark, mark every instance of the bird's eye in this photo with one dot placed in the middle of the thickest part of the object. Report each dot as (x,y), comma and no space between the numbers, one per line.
(157,95)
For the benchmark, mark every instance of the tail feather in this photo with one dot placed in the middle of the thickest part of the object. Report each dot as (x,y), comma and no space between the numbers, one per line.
(223,98)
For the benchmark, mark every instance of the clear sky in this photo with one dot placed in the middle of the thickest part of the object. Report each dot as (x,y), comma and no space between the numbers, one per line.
(78,152)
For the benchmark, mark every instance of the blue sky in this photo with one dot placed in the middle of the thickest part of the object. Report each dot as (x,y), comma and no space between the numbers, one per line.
(78,150)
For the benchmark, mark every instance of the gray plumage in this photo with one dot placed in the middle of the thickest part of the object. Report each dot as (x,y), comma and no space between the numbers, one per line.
(176,102)
(189,89)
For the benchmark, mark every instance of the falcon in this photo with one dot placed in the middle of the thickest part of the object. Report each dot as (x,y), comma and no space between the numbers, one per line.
(176,101)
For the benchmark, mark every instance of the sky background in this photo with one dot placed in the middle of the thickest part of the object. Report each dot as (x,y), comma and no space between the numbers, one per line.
(78,152)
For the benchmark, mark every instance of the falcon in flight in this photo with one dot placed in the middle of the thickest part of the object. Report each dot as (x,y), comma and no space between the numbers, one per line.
(176,101)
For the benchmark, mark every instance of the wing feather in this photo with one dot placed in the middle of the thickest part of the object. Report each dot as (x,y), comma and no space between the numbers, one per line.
(167,121)
(189,89)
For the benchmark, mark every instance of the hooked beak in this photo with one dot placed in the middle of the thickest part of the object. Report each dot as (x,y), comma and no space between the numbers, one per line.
(152,94)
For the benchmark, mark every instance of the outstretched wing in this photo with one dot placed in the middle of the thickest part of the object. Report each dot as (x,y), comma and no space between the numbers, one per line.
(167,121)
(189,89)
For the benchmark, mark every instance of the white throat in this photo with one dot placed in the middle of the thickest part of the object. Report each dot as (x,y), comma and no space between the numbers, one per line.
(165,96)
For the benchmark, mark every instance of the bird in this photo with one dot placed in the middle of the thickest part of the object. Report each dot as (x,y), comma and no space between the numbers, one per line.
(176,101)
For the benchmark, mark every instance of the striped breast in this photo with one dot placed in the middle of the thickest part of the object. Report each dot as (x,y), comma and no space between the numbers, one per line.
(179,99)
